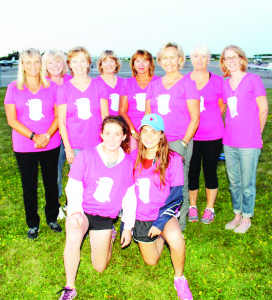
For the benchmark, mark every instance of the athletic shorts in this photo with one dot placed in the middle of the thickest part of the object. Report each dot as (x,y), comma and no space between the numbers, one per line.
(99,223)
(140,232)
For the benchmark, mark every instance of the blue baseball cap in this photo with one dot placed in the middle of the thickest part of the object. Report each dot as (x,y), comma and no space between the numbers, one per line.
(154,121)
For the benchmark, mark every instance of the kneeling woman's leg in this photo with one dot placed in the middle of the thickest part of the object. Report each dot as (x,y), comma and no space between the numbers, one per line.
(151,252)
(173,236)
(74,237)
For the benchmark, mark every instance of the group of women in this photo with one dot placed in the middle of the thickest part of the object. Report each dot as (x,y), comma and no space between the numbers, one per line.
(155,132)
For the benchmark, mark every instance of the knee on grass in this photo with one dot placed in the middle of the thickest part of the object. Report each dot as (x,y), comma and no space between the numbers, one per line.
(151,261)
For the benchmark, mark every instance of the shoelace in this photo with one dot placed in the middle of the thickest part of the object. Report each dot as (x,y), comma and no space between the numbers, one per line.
(193,212)
(32,230)
(66,291)
(180,284)
(207,214)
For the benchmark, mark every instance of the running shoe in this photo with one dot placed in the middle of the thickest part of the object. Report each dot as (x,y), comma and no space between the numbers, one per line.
(67,293)
(32,233)
(208,216)
(193,215)
(55,227)
(181,285)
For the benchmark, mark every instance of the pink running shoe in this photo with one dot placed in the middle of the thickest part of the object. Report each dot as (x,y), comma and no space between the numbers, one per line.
(67,293)
(208,216)
(181,285)
(193,215)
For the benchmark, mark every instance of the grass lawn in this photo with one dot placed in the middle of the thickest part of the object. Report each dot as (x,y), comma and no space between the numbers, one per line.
(219,263)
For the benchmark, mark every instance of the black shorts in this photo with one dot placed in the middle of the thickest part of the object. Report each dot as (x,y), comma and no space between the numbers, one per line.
(99,223)
(140,232)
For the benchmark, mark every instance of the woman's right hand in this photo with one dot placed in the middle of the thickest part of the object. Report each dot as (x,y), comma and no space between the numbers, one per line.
(70,155)
(76,219)
(41,141)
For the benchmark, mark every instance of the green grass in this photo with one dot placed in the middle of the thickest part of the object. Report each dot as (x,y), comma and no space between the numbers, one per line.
(219,263)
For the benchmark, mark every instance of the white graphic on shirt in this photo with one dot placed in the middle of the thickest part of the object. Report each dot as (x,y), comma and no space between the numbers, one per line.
(144,186)
(163,104)
(102,192)
(232,103)
(140,99)
(202,104)
(35,109)
(83,108)
(114,102)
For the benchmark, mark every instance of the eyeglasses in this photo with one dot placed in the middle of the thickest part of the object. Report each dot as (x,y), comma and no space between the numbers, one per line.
(233,58)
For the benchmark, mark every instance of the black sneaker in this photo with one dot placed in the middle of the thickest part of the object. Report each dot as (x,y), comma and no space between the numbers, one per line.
(55,227)
(32,233)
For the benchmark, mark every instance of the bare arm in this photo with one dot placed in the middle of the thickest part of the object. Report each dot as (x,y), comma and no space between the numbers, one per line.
(62,112)
(104,108)
(147,107)
(123,109)
(263,110)
(222,106)
(194,111)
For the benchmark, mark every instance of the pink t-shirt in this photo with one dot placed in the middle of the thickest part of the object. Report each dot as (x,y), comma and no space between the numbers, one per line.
(211,126)
(103,188)
(171,105)
(83,113)
(242,122)
(66,78)
(136,99)
(36,112)
(113,94)
(151,197)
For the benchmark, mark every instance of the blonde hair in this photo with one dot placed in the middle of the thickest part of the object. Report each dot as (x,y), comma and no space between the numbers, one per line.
(74,52)
(21,78)
(174,45)
(240,53)
(145,55)
(54,54)
(105,54)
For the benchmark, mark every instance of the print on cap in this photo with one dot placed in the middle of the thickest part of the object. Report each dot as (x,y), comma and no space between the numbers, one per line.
(144,186)
(202,104)
(232,103)
(35,109)
(163,104)
(83,108)
(102,192)
(140,99)
(114,102)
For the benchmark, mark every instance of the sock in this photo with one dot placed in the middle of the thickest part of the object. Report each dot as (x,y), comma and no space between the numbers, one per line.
(212,209)
(192,206)
(70,288)
(182,277)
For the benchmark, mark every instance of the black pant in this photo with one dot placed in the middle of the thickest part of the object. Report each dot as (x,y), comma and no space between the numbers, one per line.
(209,151)
(28,164)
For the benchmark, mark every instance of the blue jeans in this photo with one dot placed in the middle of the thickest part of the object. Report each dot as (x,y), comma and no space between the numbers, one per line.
(76,151)
(242,168)
(62,158)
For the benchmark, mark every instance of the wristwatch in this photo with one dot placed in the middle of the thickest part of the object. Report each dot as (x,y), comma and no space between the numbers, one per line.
(184,144)
(132,131)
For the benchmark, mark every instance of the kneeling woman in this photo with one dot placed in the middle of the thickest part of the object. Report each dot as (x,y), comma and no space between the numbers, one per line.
(159,181)
(95,191)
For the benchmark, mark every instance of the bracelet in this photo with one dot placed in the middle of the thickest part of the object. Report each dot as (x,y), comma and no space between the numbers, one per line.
(32,135)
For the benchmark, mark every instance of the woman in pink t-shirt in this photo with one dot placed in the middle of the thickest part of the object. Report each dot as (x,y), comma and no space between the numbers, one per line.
(108,65)
(133,92)
(158,174)
(247,111)
(175,98)
(82,105)
(208,137)
(96,191)
(54,68)
(31,111)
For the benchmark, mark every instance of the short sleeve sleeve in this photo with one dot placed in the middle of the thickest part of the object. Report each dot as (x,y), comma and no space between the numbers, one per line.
(62,95)
(176,171)
(258,87)
(190,89)
(124,88)
(149,91)
(9,98)
(78,167)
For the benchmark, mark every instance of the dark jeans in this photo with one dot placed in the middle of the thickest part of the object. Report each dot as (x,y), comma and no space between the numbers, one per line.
(208,152)
(28,164)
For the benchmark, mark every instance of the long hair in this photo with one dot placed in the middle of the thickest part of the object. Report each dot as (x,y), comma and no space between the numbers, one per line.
(125,128)
(21,79)
(55,55)
(105,54)
(162,160)
(145,55)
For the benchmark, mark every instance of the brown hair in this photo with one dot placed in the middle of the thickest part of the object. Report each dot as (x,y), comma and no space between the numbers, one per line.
(162,159)
(75,51)
(145,55)
(105,54)
(240,53)
(125,128)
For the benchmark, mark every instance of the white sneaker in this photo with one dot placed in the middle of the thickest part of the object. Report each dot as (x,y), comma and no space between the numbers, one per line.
(61,214)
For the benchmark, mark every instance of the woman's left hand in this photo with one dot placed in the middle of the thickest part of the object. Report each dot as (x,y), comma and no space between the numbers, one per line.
(154,231)
(41,141)
(125,238)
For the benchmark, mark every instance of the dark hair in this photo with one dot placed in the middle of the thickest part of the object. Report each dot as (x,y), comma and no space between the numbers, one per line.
(125,128)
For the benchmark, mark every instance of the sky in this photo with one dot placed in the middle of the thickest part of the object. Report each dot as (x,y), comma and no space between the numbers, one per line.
(125,26)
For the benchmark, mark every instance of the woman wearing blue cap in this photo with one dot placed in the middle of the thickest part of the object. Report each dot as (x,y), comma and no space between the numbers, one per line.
(158,174)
